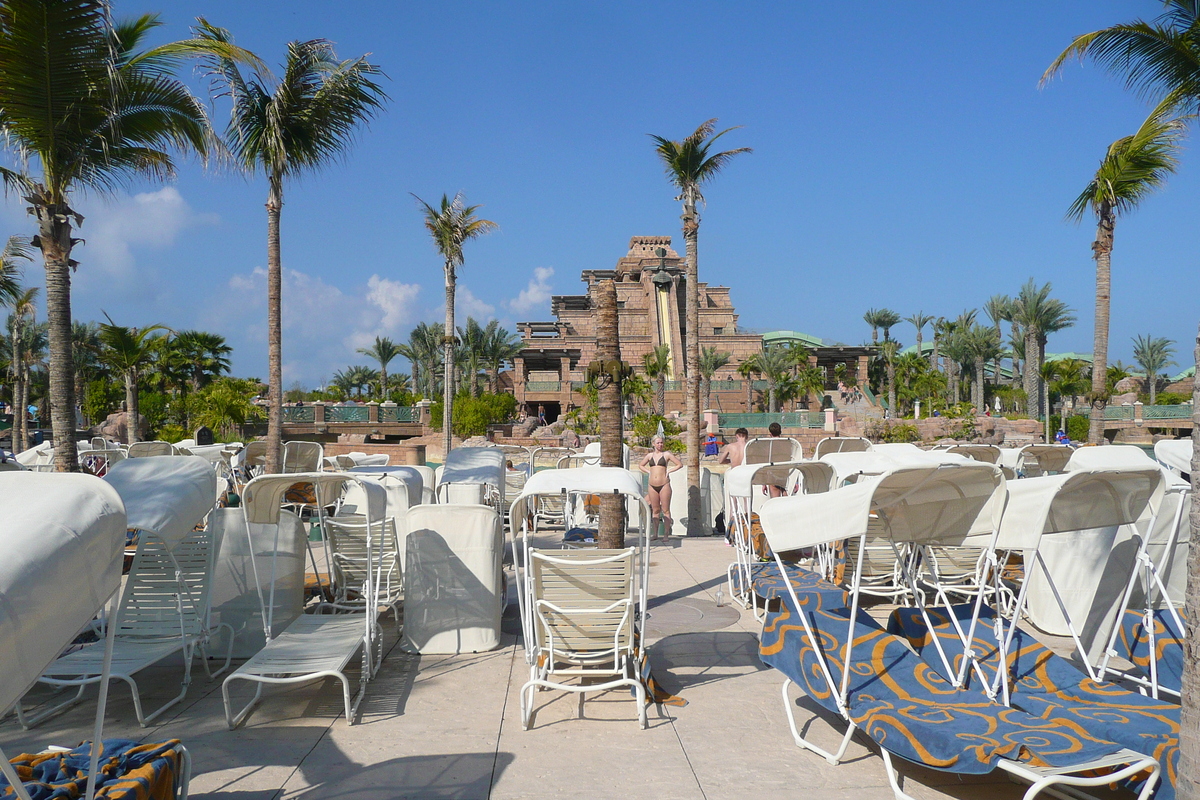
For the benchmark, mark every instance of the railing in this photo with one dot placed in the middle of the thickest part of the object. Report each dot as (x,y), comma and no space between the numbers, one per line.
(1182,411)
(790,419)
(577,385)
(674,386)
(543,386)
(299,414)
(1118,412)
(759,385)
(726,386)
(397,414)
(347,414)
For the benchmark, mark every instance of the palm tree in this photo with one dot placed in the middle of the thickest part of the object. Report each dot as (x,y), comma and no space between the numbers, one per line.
(452,224)
(890,350)
(127,350)
(887,319)
(424,353)
(91,109)
(748,369)
(23,318)
(15,249)
(775,363)
(282,128)
(206,354)
(982,344)
(383,351)
(1070,380)
(711,360)
(500,347)
(1039,315)
(85,347)
(810,381)
(611,533)
(689,165)
(657,364)
(1133,167)
(919,320)
(1153,355)
(999,309)
(939,331)
(871,317)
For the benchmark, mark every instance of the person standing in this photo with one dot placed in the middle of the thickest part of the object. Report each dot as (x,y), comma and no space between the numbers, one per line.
(734,453)
(659,463)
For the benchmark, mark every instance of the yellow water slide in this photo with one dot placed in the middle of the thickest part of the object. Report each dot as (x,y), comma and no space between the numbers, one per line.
(664,328)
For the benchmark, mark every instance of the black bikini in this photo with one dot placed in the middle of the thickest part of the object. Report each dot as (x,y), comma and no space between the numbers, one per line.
(662,461)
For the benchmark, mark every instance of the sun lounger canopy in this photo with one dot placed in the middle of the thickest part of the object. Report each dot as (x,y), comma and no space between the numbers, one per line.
(61,544)
(1049,457)
(1175,453)
(740,481)
(926,503)
(263,496)
(165,495)
(592,480)
(865,462)
(474,465)
(1117,456)
(1077,500)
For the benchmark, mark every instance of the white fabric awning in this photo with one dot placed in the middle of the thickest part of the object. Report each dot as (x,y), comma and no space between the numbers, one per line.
(1049,457)
(474,465)
(262,497)
(1113,456)
(1175,453)
(62,538)
(580,480)
(740,481)
(165,495)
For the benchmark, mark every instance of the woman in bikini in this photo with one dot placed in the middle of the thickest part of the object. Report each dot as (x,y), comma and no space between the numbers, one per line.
(659,464)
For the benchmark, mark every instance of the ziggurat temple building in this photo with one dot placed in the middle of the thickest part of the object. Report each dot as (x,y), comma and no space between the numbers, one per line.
(651,312)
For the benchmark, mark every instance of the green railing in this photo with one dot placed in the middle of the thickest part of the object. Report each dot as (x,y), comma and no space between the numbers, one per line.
(788,419)
(397,414)
(726,386)
(543,386)
(347,414)
(299,414)
(577,385)
(1118,412)
(1182,411)
(674,386)
(759,385)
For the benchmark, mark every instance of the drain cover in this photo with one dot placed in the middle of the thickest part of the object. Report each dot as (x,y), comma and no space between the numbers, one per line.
(688,615)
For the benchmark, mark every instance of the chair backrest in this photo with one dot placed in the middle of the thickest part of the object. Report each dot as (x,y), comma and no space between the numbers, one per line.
(254,454)
(584,600)
(772,450)
(143,449)
(347,537)
(162,583)
(302,457)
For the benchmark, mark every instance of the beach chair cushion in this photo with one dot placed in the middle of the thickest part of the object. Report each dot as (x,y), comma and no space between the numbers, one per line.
(769,584)
(1168,646)
(910,709)
(1047,686)
(128,771)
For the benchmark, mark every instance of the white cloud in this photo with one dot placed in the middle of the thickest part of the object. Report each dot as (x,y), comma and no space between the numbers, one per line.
(467,304)
(536,294)
(113,230)
(396,300)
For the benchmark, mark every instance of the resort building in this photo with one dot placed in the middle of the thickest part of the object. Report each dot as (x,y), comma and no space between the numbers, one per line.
(651,312)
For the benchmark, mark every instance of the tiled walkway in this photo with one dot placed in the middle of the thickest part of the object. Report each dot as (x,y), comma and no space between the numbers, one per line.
(449,727)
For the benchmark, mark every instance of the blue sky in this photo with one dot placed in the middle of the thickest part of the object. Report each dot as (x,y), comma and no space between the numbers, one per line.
(904,157)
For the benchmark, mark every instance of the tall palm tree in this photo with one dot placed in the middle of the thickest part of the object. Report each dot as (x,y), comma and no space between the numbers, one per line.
(887,319)
(127,350)
(470,355)
(15,249)
(939,331)
(85,347)
(282,128)
(689,165)
(451,224)
(611,533)
(84,106)
(1039,315)
(871,317)
(424,353)
(919,320)
(982,344)
(383,351)
(657,364)
(810,381)
(775,363)
(748,369)
(500,347)
(23,318)
(711,360)
(206,355)
(1133,167)
(890,351)
(999,309)
(1153,355)
(1070,380)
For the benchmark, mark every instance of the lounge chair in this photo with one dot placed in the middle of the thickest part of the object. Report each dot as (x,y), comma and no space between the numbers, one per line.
(351,560)
(841,444)
(144,449)
(473,475)
(909,710)
(313,645)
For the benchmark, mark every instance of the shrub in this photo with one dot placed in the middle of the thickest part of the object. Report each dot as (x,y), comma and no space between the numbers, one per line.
(472,415)
(645,426)
(172,433)
(893,432)
(100,399)
(1165,398)
(1077,426)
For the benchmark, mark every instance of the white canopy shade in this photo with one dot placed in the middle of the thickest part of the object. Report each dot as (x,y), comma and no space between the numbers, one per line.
(165,495)
(740,481)
(263,496)
(209,452)
(411,476)
(927,504)
(988,453)
(593,449)
(772,449)
(848,464)
(1115,456)
(841,444)
(61,543)
(1049,457)
(474,465)
(1175,454)
(35,455)
(591,480)
(1077,500)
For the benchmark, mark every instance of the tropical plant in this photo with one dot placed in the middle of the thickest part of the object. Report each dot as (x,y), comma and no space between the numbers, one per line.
(889,351)
(127,351)
(887,319)
(1153,355)
(1039,315)
(748,369)
(689,165)
(89,107)
(383,351)
(424,353)
(981,345)
(810,382)
(451,224)
(657,364)
(1115,374)
(85,347)
(15,249)
(500,347)
(1070,380)
(224,405)
(1133,167)
(282,128)
(711,360)
(775,363)
(999,308)
(22,327)
(919,320)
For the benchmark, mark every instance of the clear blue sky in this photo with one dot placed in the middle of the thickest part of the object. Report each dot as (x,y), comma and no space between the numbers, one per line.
(904,157)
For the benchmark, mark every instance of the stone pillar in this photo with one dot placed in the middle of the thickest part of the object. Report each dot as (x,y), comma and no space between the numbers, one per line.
(1138,419)
(830,421)
(862,373)
(319,413)
(424,412)
(372,411)
(519,379)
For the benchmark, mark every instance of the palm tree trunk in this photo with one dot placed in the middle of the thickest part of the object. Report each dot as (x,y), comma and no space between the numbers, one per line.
(977,393)
(919,342)
(18,436)
(749,393)
(54,238)
(132,428)
(1189,749)
(772,405)
(691,234)
(608,348)
(891,379)
(955,381)
(1103,253)
(274,330)
(1033,365)
(660,394)
(706,389)
(448,366)
(383,382)
(936,361)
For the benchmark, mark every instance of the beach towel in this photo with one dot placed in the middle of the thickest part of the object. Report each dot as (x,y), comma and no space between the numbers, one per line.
(128,771)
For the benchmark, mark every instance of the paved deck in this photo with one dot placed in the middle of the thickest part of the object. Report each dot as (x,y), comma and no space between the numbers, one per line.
(449,727)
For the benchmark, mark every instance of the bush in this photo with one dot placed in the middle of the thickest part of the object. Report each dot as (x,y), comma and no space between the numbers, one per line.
(472,415)
(893,432)
(100,399)
(645,426)
(1077,426)
(1165,398)
(172,433)
(154,406)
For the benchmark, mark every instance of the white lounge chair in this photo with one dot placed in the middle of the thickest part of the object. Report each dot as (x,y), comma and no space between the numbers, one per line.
(351,557)
(314,645)
(473,475)
(145,449)
(772,450)
(841,444)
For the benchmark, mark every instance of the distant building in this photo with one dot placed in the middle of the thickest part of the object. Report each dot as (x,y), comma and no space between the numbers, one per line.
(651,311)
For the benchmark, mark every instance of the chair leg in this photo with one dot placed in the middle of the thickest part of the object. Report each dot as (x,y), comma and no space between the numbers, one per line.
(28,722)
(832,758)
(232,720)
(895,780)
(228,654)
